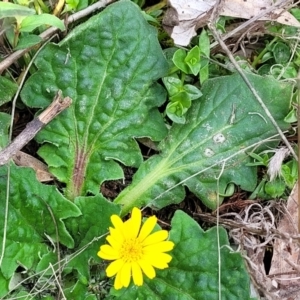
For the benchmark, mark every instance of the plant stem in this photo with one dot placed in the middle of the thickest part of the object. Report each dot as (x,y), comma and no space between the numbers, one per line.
(133,195)
(262,53)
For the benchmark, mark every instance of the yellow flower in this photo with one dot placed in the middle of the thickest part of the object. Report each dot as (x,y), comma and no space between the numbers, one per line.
(135,250)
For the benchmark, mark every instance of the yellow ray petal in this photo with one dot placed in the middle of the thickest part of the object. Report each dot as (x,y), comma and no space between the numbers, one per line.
(107,256)
(133,224)
(158,260)
(156,237)
(159,247)
(147,227)
(114,267)
(118,283)
(117,221)
(137,274)
(116,234)
(147,268)
(108,251)
(116,244)
(126,274)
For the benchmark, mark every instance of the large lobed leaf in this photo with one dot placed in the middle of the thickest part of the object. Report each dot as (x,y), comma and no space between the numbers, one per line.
(222,126)
(194,269)
(107,66)
(35,220)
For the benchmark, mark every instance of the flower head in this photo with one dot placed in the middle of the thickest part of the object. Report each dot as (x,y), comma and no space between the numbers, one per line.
(134,250)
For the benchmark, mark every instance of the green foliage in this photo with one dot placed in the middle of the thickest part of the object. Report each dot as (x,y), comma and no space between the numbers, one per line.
(188,62)
(180,97)
(111,78)
(204,45)
(4,125)
(275,188)
(36,214)
(7,89)
(194,269)
(221,126)
(289,173)
(259,159)
(112,83)
(8,10)
(195,61)
(30,23)
(25,19)
(88,231)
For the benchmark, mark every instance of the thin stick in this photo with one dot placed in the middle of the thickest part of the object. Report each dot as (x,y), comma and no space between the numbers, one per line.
(58,283)
(218,233)
(298,133)
(32,128)
(51,31)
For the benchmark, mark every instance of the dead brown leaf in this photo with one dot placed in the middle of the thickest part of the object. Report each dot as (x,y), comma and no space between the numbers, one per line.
(41,170)
(183,18)
(285,265)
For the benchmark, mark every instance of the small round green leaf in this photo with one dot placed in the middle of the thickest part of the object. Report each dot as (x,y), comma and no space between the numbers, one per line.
(179,61)
(193,60)
(281,53)
(275,188)
(173,85)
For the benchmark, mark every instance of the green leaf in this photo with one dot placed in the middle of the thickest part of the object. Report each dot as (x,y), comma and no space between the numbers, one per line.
(204,45)
(93,223)
(89,231)
(110,77)
(193,60)
(179,61)
(28,41)
(3,285)
(72,4)
(175,111)
(192,91)
(183,98)
(173,85)
(275,188)
(224,124)
(289,173)
(194,269)
(4,125)
(30,23)
(35,214)
(281,53)
(8,9)
(7,89)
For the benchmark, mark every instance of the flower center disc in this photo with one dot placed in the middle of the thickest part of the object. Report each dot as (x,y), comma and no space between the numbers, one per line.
(131,250)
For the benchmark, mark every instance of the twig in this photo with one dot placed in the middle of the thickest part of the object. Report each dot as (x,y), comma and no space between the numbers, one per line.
(58,284)
(32,128)
(298,129)
(52,30)
(218,233)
